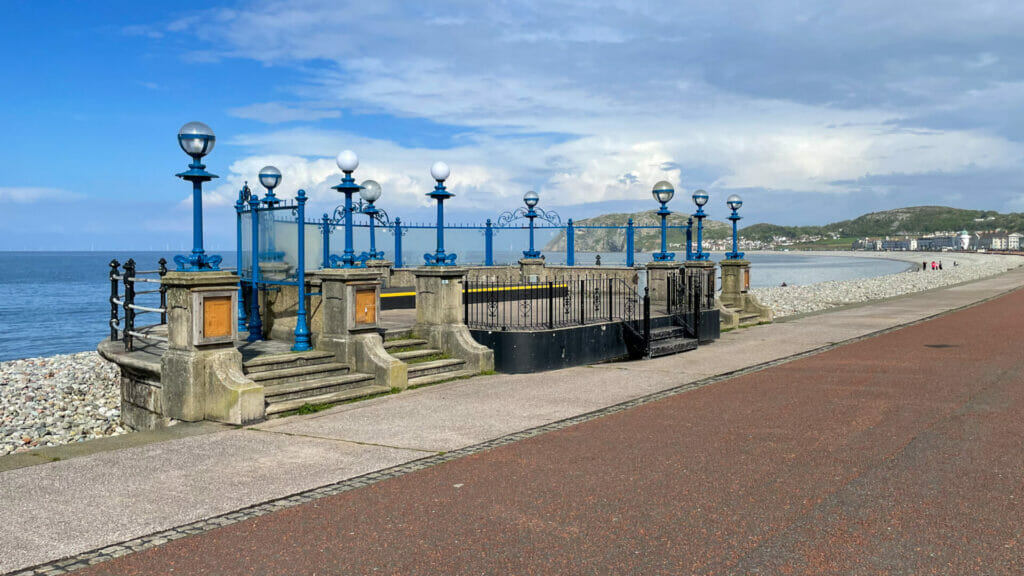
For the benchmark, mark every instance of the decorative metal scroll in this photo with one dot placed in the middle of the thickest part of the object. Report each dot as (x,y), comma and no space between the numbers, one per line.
(549,216)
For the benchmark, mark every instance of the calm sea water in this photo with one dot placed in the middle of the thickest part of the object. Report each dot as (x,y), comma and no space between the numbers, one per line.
(57,302)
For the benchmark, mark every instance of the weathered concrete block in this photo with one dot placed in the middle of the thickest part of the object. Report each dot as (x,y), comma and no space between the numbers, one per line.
(231,397)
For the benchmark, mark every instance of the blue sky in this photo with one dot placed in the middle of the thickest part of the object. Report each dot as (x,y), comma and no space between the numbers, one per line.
(812,111)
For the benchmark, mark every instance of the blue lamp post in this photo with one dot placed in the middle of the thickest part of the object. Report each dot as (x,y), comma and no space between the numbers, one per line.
(530,199)
(700,198)
(734,202)
(440,172)
(270,177)
(663,192)
(302,340)
(370,193)
(197,140)
(348,162)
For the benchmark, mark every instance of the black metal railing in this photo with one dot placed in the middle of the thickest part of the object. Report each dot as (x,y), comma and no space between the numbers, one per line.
(125,298)
(690,292)
(568,301)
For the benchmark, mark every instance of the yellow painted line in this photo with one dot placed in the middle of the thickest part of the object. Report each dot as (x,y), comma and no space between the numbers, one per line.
(529,287)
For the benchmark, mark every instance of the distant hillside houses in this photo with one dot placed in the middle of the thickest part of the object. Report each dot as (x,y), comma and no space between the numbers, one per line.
(996,240)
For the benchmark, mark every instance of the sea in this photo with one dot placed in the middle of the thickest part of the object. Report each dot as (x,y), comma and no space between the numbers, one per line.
(58,302)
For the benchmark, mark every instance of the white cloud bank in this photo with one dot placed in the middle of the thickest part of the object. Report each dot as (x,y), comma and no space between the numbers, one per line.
(589,102)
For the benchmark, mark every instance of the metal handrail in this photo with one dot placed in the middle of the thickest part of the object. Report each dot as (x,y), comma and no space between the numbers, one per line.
(125,301)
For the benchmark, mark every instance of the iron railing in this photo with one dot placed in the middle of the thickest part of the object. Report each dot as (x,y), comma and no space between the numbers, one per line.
(690,292)
(568,301)
(125,298)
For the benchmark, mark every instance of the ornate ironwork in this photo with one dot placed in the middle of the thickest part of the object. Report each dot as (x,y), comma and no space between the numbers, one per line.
(509,216)
(525,308)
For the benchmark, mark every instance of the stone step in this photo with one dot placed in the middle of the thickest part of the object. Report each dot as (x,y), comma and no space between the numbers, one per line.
(435,367)
(409,355)
(351,393)
(753,317)
(299,374)
(397,333)
(268,362)
(674,346)
(404,343)
(440,377)
(667,333)
(316,387)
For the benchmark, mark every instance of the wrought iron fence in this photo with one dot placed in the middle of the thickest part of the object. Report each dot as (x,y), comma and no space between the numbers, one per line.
(124,297)
(568,301)
(691,292)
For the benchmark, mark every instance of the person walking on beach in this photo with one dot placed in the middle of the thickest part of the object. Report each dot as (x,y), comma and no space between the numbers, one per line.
(940,264)
(924,266)
(933,264)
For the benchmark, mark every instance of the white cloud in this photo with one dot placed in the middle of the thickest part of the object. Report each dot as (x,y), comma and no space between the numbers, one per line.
(276,113)
(29,195)
(784,95)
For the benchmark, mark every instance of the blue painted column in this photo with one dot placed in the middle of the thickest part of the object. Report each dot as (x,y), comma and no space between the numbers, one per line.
(372,211)
(489,244)
(348,162)
(689,238)
(255,324)
(700,254)
(629,243)
(325,227)
(532,252)
(398,243)
(440,173)
(239,208)
(570,244)
(302,342)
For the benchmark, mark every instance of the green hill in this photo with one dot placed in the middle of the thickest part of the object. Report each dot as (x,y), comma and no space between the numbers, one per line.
(646,239)
(912,221)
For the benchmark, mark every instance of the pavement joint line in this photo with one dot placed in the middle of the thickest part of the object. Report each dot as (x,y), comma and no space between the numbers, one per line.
(142,543)
(343,440)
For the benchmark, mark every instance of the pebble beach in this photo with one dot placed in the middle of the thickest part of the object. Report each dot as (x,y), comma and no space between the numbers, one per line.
(795,300)
(75,397)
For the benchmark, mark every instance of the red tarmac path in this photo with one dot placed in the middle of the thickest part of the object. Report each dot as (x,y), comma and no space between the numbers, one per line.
(899,454)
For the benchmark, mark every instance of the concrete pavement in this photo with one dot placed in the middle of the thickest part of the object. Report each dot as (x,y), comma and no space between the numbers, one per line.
(61,509)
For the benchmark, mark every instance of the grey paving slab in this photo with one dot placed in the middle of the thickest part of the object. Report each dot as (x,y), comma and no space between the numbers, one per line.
(54,510)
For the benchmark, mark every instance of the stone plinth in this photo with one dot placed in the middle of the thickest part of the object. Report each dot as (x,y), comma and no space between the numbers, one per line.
(439,295)
(272,270)
(736,298)
(383,269)
(532,269)
(439,316)
(657,280)
(351,322)
(201,372)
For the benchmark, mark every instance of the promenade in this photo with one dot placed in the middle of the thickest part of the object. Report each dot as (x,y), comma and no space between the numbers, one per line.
(829,444)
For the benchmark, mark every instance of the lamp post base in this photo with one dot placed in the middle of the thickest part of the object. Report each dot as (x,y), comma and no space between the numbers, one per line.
(197,262)
(439,259)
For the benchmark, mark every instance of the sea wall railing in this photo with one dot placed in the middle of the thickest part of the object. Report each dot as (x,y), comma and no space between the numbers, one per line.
(132,303)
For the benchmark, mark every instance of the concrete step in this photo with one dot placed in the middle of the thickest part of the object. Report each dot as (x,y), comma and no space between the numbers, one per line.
(351,393)
(435,367)
(410,355)
(316,387)
(299,374)
(440,377)
(397,333)
(667,333)
(674,346)
(749,318)
(404,343)
(269,362)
